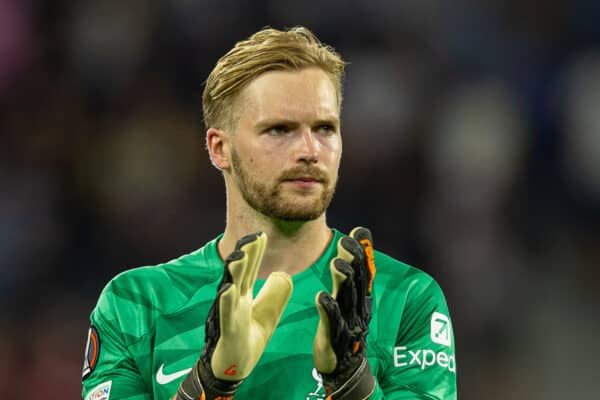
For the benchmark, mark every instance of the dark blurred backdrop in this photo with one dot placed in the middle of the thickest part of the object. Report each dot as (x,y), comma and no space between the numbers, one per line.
(472,150)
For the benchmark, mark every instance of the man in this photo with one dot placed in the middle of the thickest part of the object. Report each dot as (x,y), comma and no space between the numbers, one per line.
(279,305)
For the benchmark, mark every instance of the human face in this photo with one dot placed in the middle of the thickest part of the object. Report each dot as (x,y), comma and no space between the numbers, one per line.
(286,150)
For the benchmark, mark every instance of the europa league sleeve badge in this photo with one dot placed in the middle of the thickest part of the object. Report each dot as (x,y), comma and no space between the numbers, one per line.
(92,352)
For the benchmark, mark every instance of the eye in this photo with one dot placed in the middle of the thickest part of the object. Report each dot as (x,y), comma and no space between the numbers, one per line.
(278,130)
(326,129)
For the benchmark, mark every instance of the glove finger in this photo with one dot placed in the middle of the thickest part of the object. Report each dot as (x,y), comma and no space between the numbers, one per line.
(347,250)
(257,253)
(228,299)
(271,301)
(212,329)
(338,277)
(254,246)
(228,277)
(365,238)
(330,326)
(243,268)
(346,296)
(352,247)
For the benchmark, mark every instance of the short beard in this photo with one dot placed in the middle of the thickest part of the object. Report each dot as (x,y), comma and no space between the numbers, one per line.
(269,201)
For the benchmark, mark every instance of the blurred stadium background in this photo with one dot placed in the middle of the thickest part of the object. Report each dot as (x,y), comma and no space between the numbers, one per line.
(472,150)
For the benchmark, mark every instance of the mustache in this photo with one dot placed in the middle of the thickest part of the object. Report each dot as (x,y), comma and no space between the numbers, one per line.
(304,172)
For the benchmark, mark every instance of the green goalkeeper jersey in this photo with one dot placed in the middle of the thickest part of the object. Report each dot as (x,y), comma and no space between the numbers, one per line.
(147,331)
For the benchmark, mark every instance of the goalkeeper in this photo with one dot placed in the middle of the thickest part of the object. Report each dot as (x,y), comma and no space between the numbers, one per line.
(279,305)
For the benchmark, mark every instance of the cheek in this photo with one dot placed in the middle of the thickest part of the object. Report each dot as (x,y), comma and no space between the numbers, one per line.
(332,149)
(263,163)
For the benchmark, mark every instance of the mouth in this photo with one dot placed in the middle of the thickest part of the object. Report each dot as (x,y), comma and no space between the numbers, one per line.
(303,179)
(303,182)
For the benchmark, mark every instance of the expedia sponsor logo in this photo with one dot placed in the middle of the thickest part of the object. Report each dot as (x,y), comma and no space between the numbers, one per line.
(441,329)
(423,358)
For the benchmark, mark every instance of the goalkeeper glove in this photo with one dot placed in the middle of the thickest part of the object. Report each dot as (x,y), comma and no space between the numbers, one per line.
(238,327)
(340,343)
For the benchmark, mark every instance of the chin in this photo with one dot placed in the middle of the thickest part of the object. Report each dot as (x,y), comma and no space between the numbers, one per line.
(298,212)
(301,216)
(291,207)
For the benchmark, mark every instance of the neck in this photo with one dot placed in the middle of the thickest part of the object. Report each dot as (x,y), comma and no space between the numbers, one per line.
(292,245)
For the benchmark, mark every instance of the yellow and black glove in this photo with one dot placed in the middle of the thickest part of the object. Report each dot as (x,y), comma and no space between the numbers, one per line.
(238,327)
(339,349)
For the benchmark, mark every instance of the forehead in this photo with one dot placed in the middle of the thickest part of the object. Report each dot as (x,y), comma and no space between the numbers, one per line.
(300,94)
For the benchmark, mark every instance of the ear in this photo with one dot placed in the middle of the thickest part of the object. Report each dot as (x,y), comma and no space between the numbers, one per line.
(217,144)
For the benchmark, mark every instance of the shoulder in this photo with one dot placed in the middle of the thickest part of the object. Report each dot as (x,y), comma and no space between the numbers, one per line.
(166,280)
(393,274)
(402,288)
(142,293)
(409,298)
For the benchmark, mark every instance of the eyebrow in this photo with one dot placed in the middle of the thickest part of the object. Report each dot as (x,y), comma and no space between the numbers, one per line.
(269,122)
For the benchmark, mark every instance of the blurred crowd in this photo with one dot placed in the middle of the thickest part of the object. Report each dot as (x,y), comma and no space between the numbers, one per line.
(471,149)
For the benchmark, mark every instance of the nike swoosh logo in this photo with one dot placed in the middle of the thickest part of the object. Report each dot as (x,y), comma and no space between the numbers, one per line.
(163,378)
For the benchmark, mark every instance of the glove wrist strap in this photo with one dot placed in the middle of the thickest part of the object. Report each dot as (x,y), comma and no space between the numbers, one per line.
(201,384)
(359,387)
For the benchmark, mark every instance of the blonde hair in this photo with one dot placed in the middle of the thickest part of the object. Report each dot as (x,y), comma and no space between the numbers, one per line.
(267,50)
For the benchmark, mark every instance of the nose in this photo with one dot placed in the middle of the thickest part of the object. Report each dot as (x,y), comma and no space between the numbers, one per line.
(308,152)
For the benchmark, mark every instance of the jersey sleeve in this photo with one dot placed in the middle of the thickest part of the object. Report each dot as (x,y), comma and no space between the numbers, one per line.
(422,364)
(110,370)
